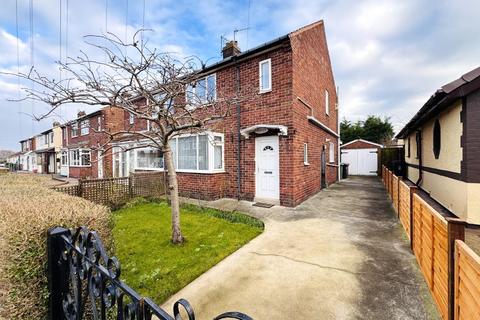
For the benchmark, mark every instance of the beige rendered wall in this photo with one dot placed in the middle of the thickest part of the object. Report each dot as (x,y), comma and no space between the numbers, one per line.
(461,198)
(451,131)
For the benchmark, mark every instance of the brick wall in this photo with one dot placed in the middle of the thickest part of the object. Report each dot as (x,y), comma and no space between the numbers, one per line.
(312,75)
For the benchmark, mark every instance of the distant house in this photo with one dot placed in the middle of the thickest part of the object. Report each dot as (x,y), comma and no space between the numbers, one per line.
(442,146)
(361,156)
(84,152)
(47,149)
(28,158)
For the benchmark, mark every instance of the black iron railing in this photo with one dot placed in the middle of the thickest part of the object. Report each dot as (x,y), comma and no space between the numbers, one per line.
(85,282)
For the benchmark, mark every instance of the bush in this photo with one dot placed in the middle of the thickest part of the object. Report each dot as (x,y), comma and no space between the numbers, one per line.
(28,208)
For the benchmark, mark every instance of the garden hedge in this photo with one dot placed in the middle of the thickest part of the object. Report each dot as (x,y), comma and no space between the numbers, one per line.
(28,209)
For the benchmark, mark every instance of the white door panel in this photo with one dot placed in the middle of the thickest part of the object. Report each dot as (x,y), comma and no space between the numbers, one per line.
(267,180)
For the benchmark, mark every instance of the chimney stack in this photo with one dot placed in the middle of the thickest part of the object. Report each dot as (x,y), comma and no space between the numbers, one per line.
(230,49)
(56,124)
(81,114)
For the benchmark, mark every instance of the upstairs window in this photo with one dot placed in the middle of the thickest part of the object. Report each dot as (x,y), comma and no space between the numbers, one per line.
(131,118)
(45,138)
(74,129)
(84,127)
(436,139)
(99,124)
(51,137)
(265,68)
(418,140)
(327,103)
(204,90)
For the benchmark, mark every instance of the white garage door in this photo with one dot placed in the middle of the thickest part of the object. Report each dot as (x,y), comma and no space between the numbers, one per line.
(361,162)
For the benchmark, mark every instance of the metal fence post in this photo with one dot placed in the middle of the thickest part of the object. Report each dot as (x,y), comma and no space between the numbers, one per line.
(130,190)
(57,272)
(456,230)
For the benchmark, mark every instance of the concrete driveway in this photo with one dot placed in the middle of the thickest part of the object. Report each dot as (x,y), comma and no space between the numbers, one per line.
(340,255)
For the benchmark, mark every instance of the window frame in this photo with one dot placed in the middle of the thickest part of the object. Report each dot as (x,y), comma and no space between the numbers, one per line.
(305,154)
(74,129)
(211,144)
(75,157)
(84,124)
(331,152)
(131,118)
(260,75)
(193,89)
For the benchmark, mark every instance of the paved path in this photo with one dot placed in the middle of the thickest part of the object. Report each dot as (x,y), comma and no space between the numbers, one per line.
(340,255)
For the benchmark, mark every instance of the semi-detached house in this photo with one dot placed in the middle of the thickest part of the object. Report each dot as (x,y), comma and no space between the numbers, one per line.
(281,147)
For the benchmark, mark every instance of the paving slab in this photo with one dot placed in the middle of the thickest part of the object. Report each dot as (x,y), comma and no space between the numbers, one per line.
(340,255)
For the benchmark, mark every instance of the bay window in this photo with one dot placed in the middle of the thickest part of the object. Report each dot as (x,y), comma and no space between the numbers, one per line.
(202,153)
(148,158)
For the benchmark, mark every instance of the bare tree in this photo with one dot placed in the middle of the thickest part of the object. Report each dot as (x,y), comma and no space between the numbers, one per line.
(150,85)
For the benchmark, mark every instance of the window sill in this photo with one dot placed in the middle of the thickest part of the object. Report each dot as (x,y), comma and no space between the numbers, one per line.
(306,164)
(265,91)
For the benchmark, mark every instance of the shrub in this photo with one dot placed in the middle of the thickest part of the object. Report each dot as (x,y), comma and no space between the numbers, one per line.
(28,208)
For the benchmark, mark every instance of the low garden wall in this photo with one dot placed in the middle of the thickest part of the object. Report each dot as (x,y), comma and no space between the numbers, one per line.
(450,268)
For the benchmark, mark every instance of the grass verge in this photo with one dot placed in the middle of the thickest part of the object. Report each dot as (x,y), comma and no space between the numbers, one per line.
(156,268)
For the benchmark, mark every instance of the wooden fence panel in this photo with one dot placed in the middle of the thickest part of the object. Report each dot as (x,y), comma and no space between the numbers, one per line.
(404,211)
(431,249)
(116,191)
(395,192)
(467,282)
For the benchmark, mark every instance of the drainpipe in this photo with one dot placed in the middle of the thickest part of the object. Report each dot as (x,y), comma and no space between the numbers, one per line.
(239,169)
(419,148)
(338,138)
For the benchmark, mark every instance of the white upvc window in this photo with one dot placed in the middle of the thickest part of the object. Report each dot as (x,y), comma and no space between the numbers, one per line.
(305,154)
(99,124)
(74,129)
(84,127)
(198,153)
(131,118)
(204,90)
(331,152)
(80,158)
(265,78)
(327,103)
(64,158)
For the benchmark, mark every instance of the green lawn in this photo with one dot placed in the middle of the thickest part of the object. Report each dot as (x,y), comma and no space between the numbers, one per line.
(156,268)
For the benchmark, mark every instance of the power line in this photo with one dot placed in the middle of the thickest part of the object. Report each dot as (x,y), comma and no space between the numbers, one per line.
(18,70)
(32,47)
(126,25)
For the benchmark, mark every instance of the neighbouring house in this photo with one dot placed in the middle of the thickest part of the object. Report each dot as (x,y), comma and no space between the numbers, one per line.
(281,147)
(47,147)
(442,147)
(84,152)
(28,158)
(361,157)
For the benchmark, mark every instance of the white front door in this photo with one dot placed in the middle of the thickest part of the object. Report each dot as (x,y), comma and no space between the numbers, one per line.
(267,182)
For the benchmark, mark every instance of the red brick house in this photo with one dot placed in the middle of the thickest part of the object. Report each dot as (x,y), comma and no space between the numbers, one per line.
(282,147)
(83,142)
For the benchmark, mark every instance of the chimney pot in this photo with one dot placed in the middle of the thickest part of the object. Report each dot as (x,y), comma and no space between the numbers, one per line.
(56,124)
(81,114)
(230,49)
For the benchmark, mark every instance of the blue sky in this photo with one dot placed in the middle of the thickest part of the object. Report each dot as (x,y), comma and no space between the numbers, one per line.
(388,56)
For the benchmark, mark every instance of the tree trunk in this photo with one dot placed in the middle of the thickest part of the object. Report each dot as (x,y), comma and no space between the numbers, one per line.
(177,237)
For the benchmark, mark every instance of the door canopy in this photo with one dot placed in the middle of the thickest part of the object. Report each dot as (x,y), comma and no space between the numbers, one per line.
(264,128)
